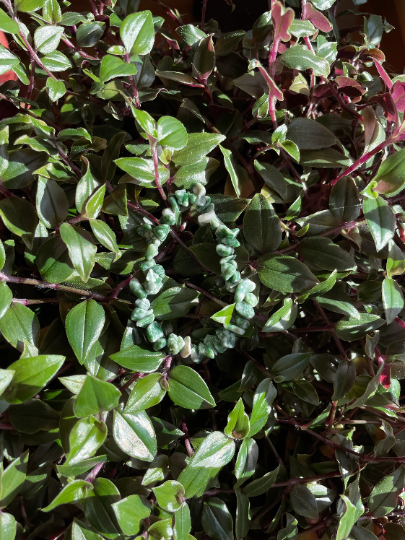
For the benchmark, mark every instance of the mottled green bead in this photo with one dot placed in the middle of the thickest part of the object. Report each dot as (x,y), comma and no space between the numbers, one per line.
(154,332)
(143,303)
(228,338)
(235,278)
(240,321)
(235,329)
(143,323)
(224,251)
(246,286)
(245,310)
(228,270)
(136,288)
(204,350)
(161,232)
(153,287)
(175,343)
(159,270)
(151,252)
(192,198)
(146,265)
(139,313)
(168,217)
(159,344)
(173,204)
(251,299)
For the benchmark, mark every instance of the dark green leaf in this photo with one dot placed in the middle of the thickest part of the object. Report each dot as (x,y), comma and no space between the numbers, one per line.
(187,389)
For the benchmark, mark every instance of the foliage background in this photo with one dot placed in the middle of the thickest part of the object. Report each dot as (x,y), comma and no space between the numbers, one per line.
(201,286)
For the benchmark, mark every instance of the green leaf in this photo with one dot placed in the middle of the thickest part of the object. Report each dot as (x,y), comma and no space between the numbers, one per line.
(238,425)
(19,323)
(246,461)
(242,522)
(285,274)
(47,38)
(216,519)
(32,416)
(232,168)
(29,5)
(8,526)
(80,531)
(56,61)
(303,502)
(323,253)
(283,318)
(96,396)
(395,261)
(290,366)
(110,154)
(310,135)
(147,392)
(289,532)
(187,389)
(12,479)
(105,236)
(72,493)
(323,4)
(22,165)
(380,220)
(204,57)
(170,495)
(214,452)
(325,158)
(344,200)
(390,177)
(182,523)
(99,510)
(262,402)
(84,324)
(224,316)
(137,359)
(2,255)
(344,380)
(51,202)
(393,299)
(53,261)
(145,122)
(130,512)
(89,33)
(141,171)
(6,376)
(85,438)
(198,146)
(20,218)
(7,24)
(191,34)
(134,434)
(81,249)
(137,33)
(261,225)
(351,328)
(174,303)
(300,58)
(56,89)
(112,67)
(95,203)
(292,149)
(5,298)
(261,485)
(301,28)
(171,132)
(8,60)
(383,499)
(30,376)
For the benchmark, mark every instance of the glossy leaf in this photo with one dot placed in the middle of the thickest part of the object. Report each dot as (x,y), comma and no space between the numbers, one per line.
(81,249)
(261,226)
(84,324)
(134,434)
(285,274)
(95,396)
(187,389)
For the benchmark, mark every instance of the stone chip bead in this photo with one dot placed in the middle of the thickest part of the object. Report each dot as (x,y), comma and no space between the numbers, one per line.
(240,321)
(136,288)
(161,232)
(251,299)
(151,252)
(159,344)
(145,321)
(228,338)
(204,350)
(175,343)
(168,217)
(186,350)
(224,251)
(245,310)
(246,286)
(154,332)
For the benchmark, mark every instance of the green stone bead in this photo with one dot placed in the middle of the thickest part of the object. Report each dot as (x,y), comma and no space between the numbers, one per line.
(154,332)
(151,252)
(224,251)
(143,323)
(228,338)
(143,303)
(153,287)
(251,299)
(192,198)
(235,329)
(204,350)
(159,270)
(161,232)
(168,217)
(173,204)
(245,310)
(146,265)
(136,288)
(139,313)
(240,321)
(227,270)
(175,343)
(246,286)
(159,344)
